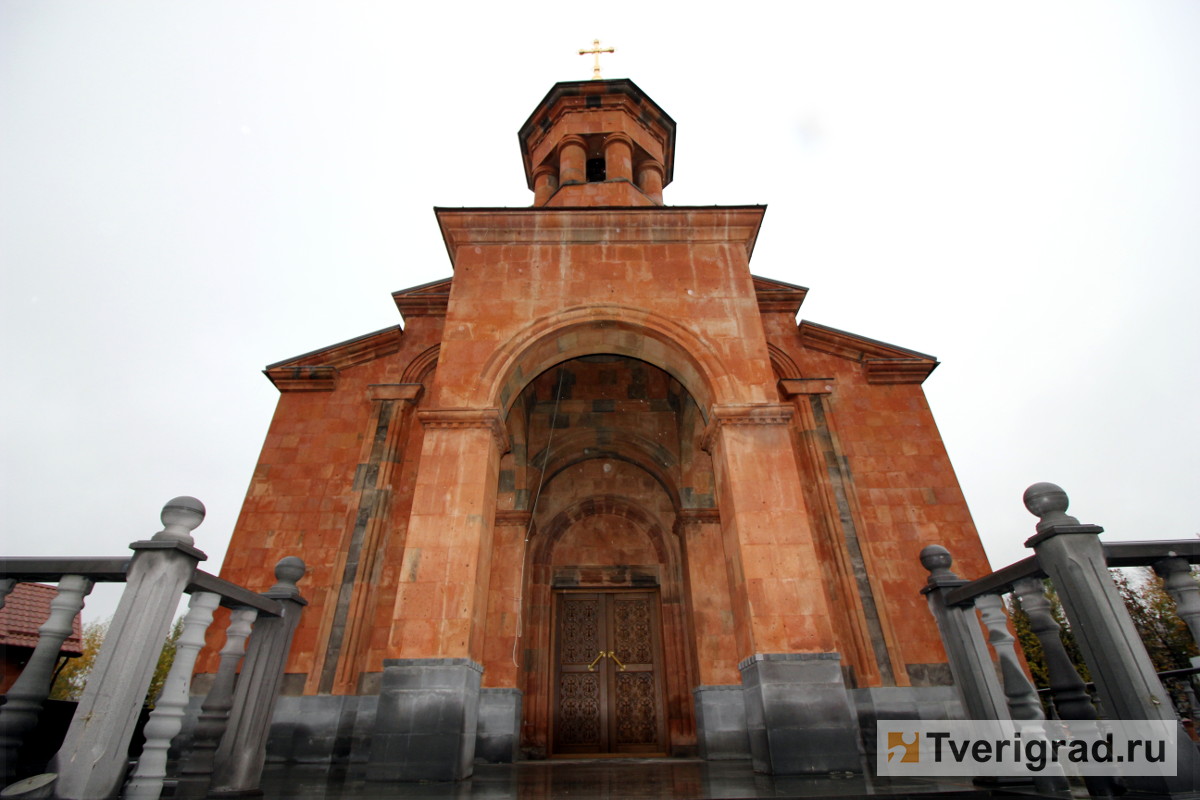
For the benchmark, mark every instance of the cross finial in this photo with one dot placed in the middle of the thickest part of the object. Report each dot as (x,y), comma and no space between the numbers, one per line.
(596,51)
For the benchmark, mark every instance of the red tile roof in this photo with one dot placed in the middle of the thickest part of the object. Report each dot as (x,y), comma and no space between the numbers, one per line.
(25,610)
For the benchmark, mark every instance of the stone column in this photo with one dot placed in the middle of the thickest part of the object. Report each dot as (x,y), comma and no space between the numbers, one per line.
(798,713)
(1071,554)
(618,157)
(545,184)
(92,760)
(426,724)
(572,160)
(650,180)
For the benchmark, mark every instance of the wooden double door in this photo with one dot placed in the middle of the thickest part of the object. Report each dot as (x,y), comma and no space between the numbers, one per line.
(608,682)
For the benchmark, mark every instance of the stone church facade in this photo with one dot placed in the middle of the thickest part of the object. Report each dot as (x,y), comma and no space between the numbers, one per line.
(602,494)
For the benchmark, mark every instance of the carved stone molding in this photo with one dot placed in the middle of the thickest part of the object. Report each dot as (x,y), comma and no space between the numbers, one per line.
(793,387)
(515,517)
(491,419)
(744,414)
(697,516)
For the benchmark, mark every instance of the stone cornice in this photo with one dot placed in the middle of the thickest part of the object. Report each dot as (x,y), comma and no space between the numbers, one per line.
(491,419)
(777,297)
(426,300)
(882,362)
(303,379)
(743,414)
(472,227)
(317,371)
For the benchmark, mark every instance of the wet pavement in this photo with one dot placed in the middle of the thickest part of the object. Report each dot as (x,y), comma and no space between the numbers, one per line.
(608,779)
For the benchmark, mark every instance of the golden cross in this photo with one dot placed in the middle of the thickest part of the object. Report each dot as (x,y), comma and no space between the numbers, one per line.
(596,51)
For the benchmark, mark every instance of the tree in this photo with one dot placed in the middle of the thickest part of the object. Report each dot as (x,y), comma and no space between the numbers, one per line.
(1165,636)
(72,678)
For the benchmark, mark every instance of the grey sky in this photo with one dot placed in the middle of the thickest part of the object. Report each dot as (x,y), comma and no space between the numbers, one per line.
(189,192)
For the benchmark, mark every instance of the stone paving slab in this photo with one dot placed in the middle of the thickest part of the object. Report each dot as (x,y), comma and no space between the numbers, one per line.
(608,779)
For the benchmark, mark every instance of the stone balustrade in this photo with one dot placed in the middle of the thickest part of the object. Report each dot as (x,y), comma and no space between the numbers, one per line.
(1071,557)
(228,752)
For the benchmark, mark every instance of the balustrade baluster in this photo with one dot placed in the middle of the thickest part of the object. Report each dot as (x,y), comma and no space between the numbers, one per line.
(167,718)
(23,706)
(196,772)
(1068,692)
(239,759)
(1020,692)
(1179,583)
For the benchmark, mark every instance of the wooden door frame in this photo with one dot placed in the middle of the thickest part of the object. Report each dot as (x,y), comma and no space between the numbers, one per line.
(660,684)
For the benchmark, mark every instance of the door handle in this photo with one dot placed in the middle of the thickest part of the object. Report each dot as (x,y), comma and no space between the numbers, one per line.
(613,656)
(600,655)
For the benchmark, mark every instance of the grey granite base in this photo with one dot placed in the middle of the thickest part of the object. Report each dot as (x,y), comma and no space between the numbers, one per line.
(498,738)
(426,721)
(798,714)
(721,723)
(322,729)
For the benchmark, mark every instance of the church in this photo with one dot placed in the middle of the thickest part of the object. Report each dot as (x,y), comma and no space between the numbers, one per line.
(601,494)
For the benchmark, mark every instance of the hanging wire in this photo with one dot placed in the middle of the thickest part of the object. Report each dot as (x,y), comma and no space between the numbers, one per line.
(533,509)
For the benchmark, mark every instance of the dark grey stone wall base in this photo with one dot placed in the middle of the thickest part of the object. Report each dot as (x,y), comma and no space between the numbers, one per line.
(322,729)
(902,703)
(798,714)
(498,738)
(721,723)
(427,719)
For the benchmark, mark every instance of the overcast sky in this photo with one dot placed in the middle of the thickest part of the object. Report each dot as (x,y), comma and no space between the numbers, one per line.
(191,191)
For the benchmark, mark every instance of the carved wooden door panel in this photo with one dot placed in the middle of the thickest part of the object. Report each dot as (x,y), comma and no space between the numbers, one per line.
(608,674)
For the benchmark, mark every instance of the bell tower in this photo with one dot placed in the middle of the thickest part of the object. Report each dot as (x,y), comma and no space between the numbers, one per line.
(597,143)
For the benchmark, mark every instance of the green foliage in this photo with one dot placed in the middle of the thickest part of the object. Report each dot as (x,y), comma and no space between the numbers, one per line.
(1151,608)
(1032,646)
(69,683)
(73,677)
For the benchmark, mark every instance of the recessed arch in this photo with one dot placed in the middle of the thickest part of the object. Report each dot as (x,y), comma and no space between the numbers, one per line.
(588,330)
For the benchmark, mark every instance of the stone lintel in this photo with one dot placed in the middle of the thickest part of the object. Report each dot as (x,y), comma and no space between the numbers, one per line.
(395,391)
(491,419)
(794,387)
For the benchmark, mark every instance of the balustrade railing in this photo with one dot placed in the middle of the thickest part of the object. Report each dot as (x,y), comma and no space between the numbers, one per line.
(1071,557)
(228,754)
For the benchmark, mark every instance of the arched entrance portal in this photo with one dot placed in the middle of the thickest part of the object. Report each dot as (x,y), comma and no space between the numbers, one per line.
(605,455)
